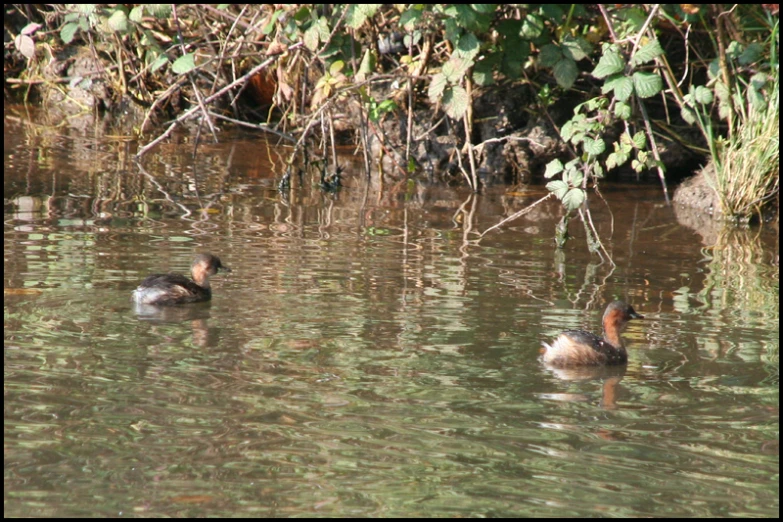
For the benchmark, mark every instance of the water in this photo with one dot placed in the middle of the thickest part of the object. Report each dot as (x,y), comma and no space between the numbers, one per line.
(368,355)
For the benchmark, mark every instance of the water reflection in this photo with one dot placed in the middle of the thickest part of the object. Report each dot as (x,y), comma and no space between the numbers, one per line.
(369,356)
(608,376)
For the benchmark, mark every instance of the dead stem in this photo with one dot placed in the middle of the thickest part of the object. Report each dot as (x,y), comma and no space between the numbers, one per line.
(517,214)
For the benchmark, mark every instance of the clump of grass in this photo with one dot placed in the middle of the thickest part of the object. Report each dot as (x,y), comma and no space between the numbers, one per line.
(747,166)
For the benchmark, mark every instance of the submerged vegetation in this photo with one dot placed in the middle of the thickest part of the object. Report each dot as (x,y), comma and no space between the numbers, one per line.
(465,89)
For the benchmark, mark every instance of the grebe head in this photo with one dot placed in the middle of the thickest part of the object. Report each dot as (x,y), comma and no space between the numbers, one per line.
(206,265)
(616,317)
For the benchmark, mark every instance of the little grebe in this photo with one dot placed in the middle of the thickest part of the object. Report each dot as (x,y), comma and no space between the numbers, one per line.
(580,348)
(173,289)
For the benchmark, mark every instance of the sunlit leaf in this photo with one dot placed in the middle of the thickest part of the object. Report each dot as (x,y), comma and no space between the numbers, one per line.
(184,64)
(573,198)
(639,140)
(647,84)
(622,110)
(359,13)
(468,46)
(436,88)
(409,18)
(311,38)
(455,101)
(557,187)
(621,85)
(532,27)
(118,21)
(553,167)
(689,115)
(25,45)
(454,70)
(647,53)
(594,147)
(610,63)
(703,95)
(68,32)
(576,48)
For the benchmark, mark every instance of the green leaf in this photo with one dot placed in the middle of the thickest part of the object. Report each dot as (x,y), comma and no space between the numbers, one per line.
(463,15)
(468,46)
(86,9)
(573,198)
(323,28)
(689,115)
(302,14)
(311,38)
(452,30)
(455,101)
(454,70)
(184,64)
(612,160)
(639,140)
(757,100)
(550,55)
(565,72)
(514,57)
(575,178)
(68,32)
(484,8)
(567,130)
(270,26)
(359,13)
(136,14)
(622,110)
(594,147)
(553,168)
(576,48)
(159,62)
(336,67)
(647,84)
(558,187)
(610,63)
(751,54)
(482,73)
(647,53)
(118,21)
(509,28)
(532,27)
(387,106)
(367,65)
(159,11)
(759,80)
(409,18)
(724,111)
(702,95)
(621,85)
(622,157)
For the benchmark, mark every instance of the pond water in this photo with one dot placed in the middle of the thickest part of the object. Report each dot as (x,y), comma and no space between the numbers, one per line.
(369,355)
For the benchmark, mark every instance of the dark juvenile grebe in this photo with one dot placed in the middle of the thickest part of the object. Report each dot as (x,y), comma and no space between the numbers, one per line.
(173,289)
(580,348)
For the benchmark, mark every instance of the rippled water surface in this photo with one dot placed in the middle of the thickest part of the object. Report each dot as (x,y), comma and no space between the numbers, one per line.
(370,356)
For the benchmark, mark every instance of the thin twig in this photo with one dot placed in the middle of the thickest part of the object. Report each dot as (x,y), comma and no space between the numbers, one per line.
(517,214)
(190,112)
